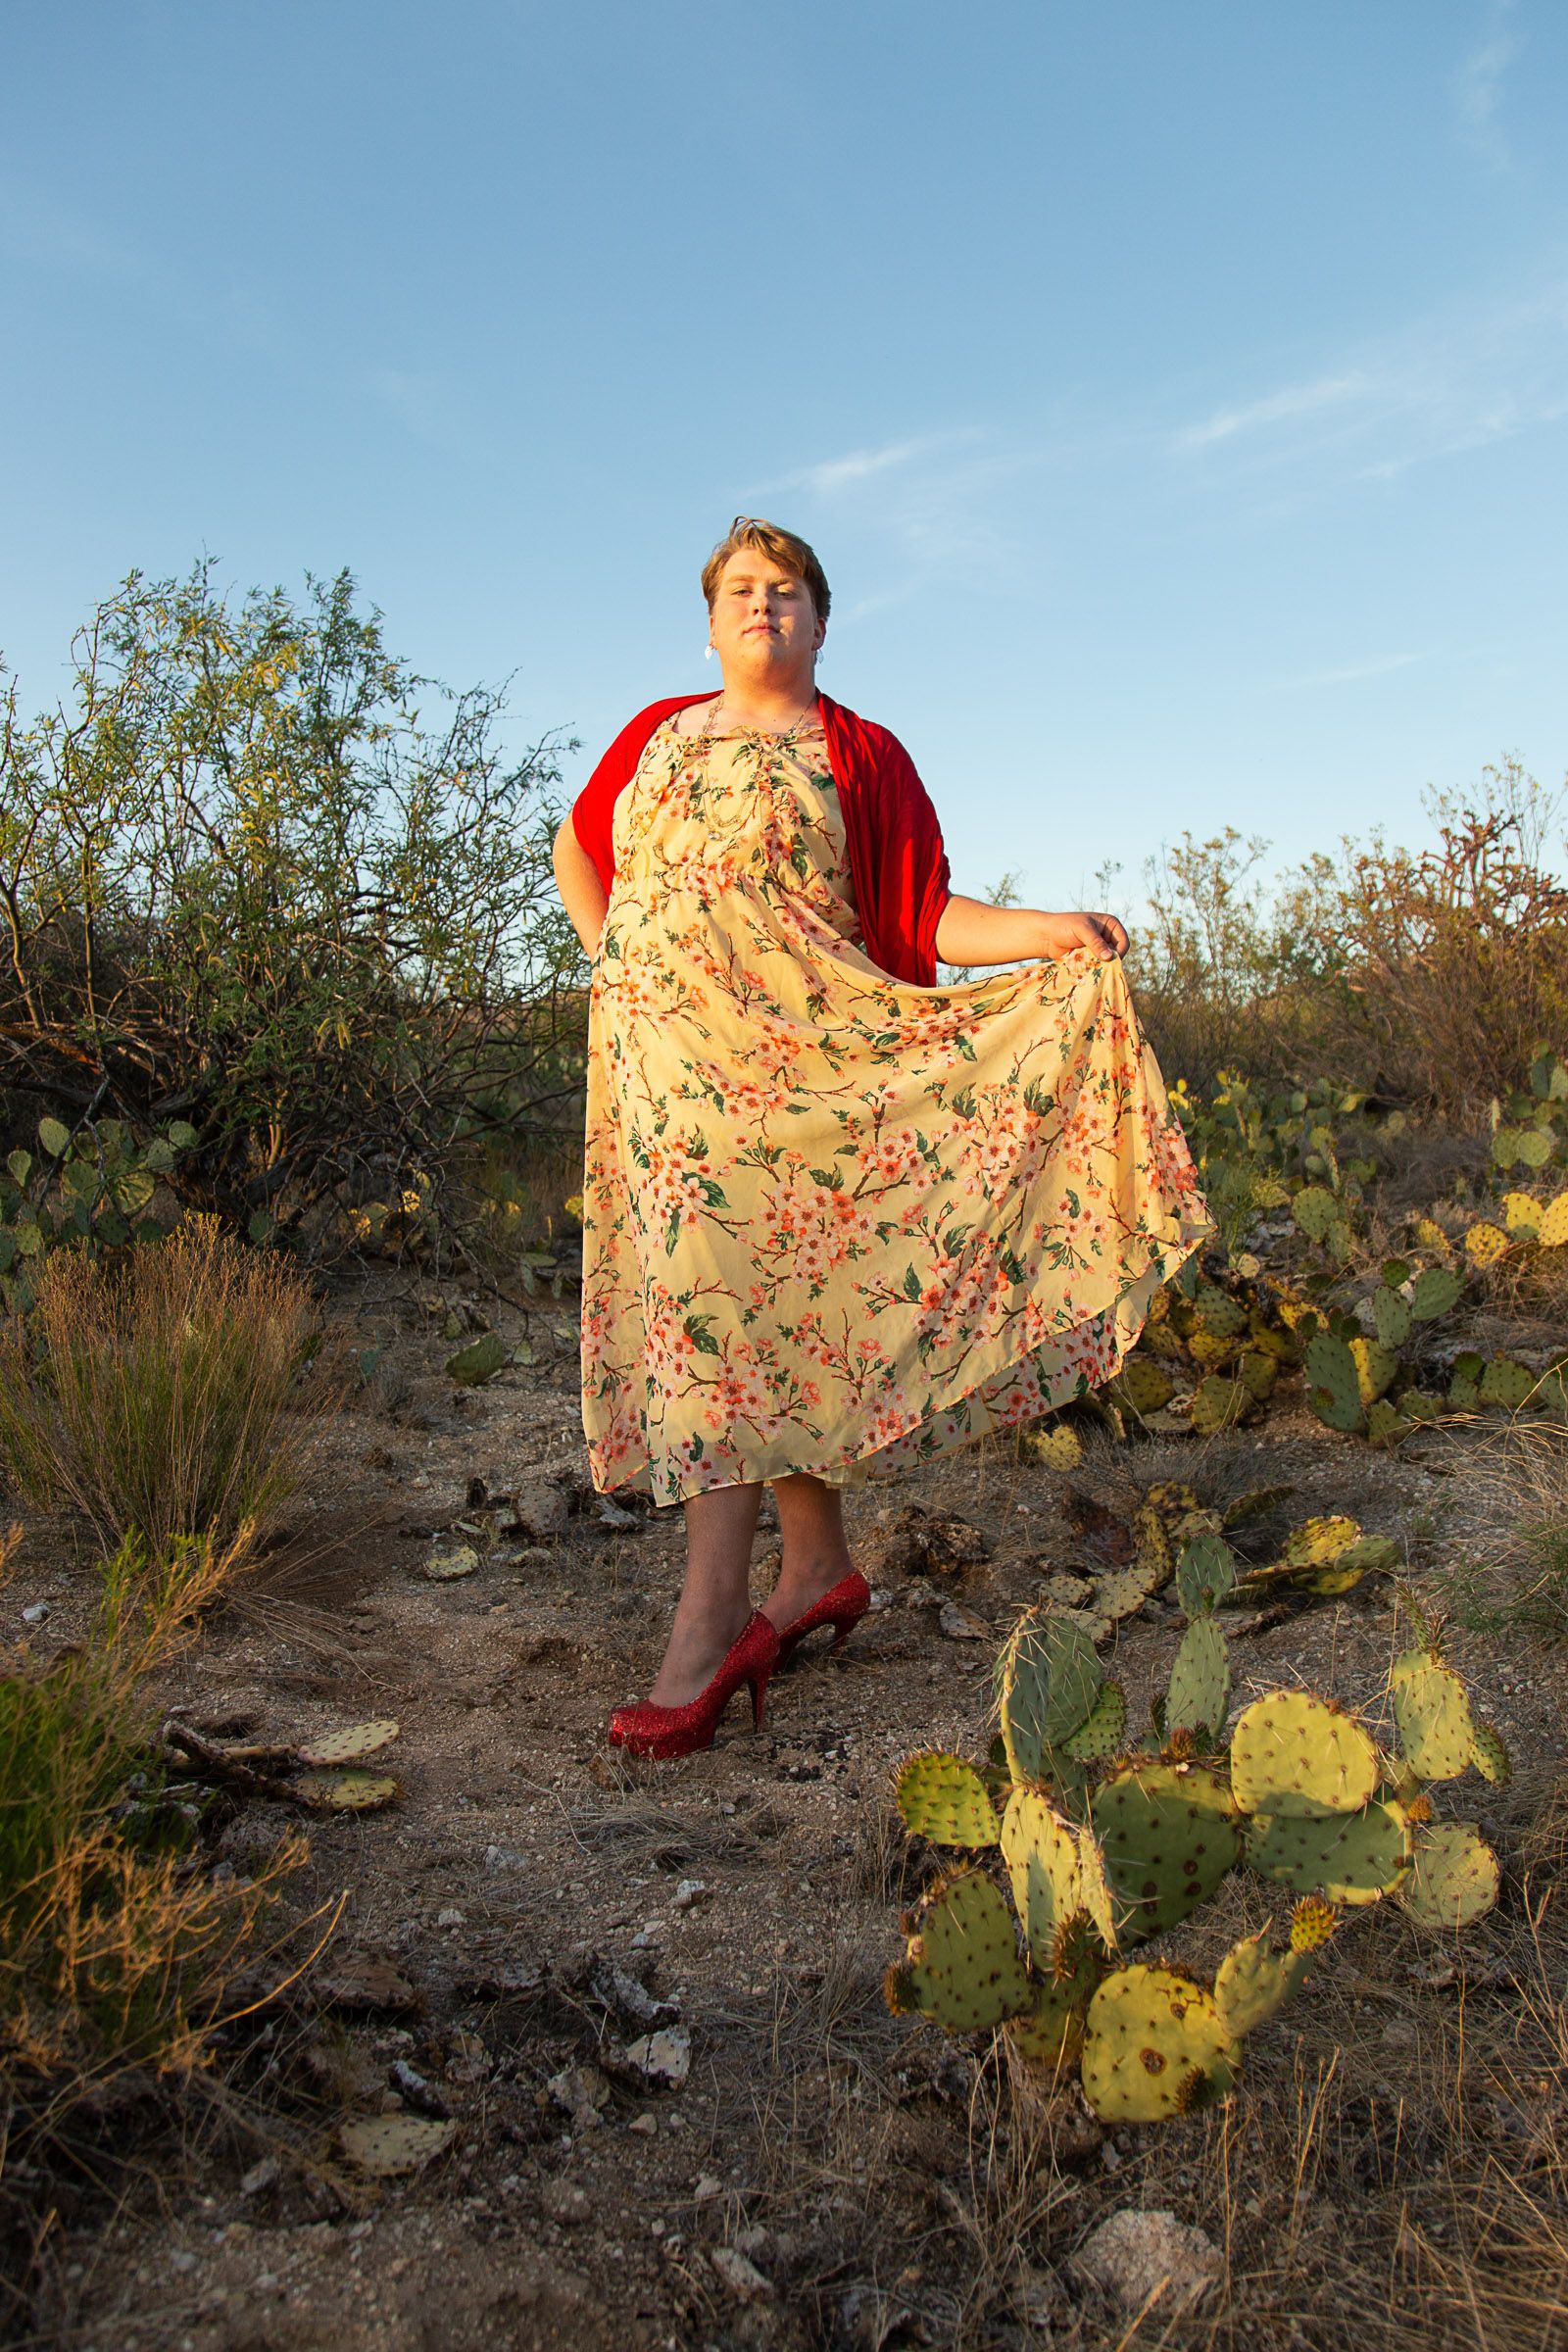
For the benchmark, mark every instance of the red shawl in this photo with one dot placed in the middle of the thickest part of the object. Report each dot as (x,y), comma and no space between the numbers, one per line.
(898,865)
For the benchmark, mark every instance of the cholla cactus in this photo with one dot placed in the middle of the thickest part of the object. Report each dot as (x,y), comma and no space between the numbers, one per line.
(1103,1850)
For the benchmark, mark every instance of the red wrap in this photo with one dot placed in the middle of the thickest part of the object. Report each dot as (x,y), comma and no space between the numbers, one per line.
(898,865)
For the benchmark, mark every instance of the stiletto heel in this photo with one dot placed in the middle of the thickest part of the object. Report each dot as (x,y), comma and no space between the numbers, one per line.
(842,1607)
(666,1732)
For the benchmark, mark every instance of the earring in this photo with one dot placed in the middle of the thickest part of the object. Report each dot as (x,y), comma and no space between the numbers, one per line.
(709,656)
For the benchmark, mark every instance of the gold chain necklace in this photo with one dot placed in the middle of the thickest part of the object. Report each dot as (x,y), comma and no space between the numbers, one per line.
(709,731)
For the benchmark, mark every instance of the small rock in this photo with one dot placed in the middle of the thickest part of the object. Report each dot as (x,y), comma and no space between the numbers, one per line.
(1138,2258)
(645,2122)
(743,2278)
(470,2061)
(580,2091)
(449,1918)
(663,2058)
(364,1980)
(417,2092)
(564,2202)
(689,1892)
(625,1999)
(959,1626)
(35,1612)
(504,1857)
(709,2187)
(263,2175)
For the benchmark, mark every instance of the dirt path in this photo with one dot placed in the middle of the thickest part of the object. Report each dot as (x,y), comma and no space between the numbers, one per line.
(825,2175)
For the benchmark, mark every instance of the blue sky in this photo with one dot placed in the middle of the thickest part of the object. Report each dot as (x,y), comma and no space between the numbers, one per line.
(1177,397)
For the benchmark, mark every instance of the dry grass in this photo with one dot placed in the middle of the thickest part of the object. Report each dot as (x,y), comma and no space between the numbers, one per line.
(96,1939)
(1512,1576)
(155,1394)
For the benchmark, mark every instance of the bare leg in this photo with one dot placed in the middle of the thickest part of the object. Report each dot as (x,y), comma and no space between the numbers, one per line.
(715,1599)
(816,1552)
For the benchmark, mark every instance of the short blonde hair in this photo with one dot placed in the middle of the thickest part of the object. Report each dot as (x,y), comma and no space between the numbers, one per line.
(783,547)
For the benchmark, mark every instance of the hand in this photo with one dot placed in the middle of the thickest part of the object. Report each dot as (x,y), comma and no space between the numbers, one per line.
(1101,934)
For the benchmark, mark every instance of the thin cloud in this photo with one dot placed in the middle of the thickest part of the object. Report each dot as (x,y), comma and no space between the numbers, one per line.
(1478,90)
(1353,672)
(1447,384)
(1279,407)
(860,465)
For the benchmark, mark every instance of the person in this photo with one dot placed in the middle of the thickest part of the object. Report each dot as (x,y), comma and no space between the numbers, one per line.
(838,1217)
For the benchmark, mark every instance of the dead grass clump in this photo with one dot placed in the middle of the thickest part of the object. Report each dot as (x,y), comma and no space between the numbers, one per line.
(1512,1575)
(112,1955)
(155,1394)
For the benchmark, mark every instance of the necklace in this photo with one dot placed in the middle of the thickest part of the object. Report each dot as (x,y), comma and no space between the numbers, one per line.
(708,730)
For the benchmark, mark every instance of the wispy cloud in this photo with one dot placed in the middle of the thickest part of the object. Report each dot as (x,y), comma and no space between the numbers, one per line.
(1447,383)
(841,473)
(930,502)
(1478,88)
(1296,402)
(1353,672)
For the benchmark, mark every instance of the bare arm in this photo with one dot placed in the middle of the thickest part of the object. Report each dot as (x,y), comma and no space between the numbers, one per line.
(973,931)
(582,894)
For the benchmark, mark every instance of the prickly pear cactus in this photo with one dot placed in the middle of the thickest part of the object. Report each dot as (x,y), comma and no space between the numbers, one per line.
(1041,1851)
(1156,2046)
(961,1968)
(1252,1982)
(1168,1833)
(1050,1680)
(1200,1683)
(943,1799)
(1292,1753)
(1454,1880)
(1334,1383)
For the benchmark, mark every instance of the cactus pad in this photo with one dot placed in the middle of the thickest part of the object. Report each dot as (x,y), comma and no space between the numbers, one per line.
(1168,1834)
(1144,1385)
(1431,1709)
(962,1969)
(1219,1312)
(1315,1211)
(1041,1851)
(1317,1541)
(1094,1887)
(1294,1753)
(1347,1857)
(345,1791)
(1485,1243)
(351,1746)
(1204,1574)
(1251,1983)
(1490,1755)
(1521,1213)
(1552,1231)
(1456,1879)
(1434,1291)
(1199,1681)
(1050,2035)
(1375,1368)
(1057,1445)
(1101,1732)
(1391,1317)
(1155,2047)
(1333,1383)
(1505,1383)
(1050,1680)
(945,1799)
(1218,1403)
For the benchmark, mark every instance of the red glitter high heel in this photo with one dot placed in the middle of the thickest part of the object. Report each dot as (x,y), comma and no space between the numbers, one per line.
(842,1607)
(665,1733)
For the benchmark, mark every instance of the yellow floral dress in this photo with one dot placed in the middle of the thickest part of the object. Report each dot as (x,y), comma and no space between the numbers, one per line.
(833,1221)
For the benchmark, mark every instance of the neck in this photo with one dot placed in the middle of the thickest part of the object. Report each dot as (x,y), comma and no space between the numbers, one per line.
(770,702)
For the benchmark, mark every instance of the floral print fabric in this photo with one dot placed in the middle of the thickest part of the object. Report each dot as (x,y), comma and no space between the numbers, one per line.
(835,1222)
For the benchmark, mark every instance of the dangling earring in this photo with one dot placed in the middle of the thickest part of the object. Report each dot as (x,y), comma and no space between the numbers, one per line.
(709,656)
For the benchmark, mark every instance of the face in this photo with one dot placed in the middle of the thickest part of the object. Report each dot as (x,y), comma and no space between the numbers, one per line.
(763,625)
